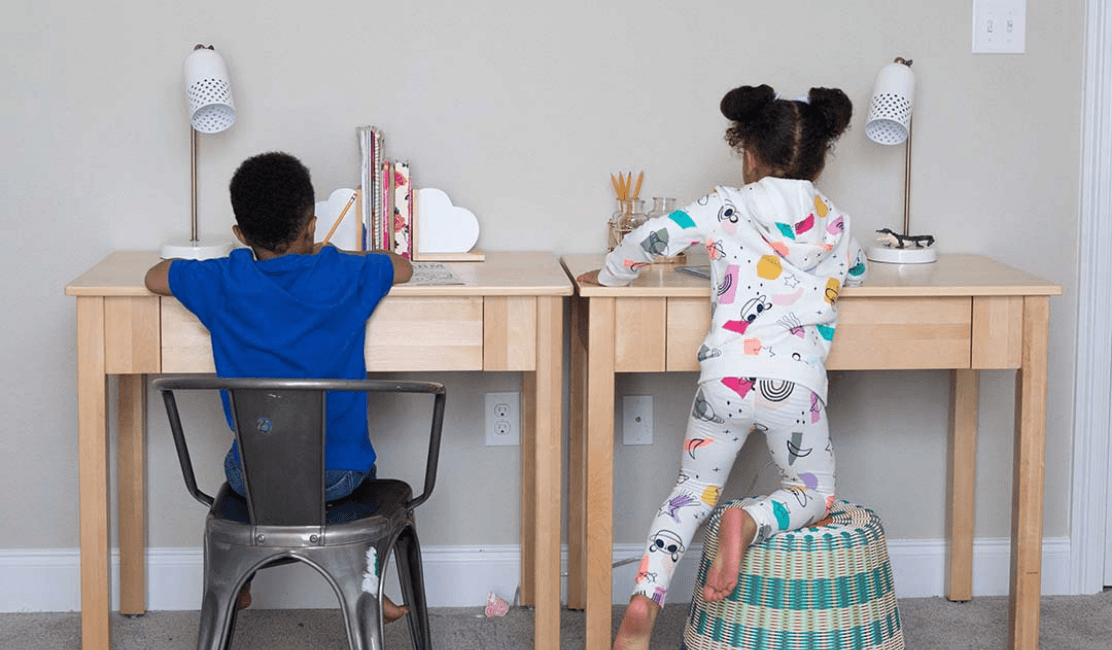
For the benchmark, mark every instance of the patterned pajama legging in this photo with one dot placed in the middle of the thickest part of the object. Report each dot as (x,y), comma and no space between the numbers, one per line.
(793,420)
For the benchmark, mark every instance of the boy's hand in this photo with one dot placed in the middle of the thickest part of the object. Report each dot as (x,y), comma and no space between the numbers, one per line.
(158,278)
(590,277)
(403,270)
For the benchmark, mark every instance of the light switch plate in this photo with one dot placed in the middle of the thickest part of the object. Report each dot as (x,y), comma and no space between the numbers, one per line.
(999,26)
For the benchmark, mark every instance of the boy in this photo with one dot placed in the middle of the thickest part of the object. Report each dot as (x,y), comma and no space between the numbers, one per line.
(289,307)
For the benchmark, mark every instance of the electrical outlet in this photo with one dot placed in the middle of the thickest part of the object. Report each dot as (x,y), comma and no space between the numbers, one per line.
(999,26)
(503,418)
(637,420)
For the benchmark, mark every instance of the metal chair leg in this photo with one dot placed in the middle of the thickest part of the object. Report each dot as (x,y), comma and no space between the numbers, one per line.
(411,576)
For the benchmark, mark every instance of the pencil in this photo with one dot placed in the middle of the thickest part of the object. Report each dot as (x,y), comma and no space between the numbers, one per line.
(637,189)
(614,182)
(340,218)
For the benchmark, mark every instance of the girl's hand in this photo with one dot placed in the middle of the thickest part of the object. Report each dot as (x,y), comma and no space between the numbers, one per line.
(590,277)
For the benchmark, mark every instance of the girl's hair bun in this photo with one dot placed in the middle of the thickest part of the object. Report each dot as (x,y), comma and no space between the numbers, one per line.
(745,103)
(834,110)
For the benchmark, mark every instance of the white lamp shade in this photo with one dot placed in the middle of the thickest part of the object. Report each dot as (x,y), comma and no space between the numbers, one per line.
(209,91)
(889,119)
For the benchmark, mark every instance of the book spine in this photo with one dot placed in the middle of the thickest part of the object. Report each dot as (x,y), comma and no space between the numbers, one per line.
(367,172)
(403,211)
(387,242)
(377,225)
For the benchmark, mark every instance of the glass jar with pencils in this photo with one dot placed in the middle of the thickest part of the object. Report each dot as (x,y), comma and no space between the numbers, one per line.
(631,210)
(633,215)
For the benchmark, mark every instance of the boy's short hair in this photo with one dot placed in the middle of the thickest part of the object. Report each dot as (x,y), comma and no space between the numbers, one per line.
(272,197)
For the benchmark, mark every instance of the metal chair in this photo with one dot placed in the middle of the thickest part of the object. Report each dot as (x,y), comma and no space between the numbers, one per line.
(279,424)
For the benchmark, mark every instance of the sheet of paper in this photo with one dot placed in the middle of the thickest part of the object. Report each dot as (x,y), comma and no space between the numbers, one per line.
(433,273)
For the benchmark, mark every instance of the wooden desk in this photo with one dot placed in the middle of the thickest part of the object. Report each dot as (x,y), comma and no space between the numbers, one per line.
(963,313)
(508,317)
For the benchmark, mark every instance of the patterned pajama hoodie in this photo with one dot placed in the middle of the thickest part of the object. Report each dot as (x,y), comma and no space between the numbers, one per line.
(780,252)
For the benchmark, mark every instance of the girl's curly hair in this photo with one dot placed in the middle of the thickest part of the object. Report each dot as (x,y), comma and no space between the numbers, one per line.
(790,138)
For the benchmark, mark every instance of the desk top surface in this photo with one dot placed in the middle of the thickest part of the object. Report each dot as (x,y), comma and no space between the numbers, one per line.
(951,275)
(502,274)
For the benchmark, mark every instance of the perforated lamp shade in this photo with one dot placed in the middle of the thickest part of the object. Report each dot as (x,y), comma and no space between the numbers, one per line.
(209,92)
(889,119)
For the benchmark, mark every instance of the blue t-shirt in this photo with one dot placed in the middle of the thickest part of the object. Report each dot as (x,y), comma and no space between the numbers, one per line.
(293,316)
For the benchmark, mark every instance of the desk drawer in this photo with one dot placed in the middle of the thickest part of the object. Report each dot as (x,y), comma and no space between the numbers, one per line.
(902,334)
(873,333)
(403,334)
(426,334)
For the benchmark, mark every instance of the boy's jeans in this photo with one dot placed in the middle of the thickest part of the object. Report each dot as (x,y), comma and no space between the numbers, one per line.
(338,483)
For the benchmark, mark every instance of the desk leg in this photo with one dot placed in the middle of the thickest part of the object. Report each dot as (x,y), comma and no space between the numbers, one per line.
(529,494)
(963,475)
(1027,488)
(547,462)
(92,470)
(577,448)
(131,436)
(600,471)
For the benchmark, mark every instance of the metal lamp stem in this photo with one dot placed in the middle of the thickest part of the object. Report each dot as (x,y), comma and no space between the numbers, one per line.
(907,181)
(193,183)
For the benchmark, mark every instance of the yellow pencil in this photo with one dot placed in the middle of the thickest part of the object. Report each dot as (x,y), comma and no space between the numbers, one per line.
(637,190)
(614,182)
(340,218)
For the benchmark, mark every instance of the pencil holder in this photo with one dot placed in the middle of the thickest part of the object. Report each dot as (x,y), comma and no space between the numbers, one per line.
(629,215)
(824,587)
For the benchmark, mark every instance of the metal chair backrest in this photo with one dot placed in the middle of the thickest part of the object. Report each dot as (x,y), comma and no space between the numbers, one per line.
(280,426)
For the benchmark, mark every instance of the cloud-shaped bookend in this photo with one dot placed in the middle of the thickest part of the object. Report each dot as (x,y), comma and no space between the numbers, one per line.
(443,227)
(346,236)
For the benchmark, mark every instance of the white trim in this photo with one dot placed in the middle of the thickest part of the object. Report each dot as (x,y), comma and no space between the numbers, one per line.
(463,576)
(1089,512)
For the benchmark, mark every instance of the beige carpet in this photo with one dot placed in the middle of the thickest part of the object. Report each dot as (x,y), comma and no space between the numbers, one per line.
(1068,623)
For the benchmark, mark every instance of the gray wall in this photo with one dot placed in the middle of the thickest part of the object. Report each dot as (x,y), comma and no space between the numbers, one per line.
(520,115)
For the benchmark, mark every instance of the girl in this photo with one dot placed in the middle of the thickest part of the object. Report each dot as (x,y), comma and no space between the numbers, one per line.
(780,252)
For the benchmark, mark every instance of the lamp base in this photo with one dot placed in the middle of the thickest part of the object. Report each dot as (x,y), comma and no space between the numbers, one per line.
(892,255)
(195,250)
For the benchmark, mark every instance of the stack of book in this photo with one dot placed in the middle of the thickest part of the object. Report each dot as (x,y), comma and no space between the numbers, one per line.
(386,200)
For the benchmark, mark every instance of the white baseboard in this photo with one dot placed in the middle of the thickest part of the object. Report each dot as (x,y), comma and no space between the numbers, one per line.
(462,576)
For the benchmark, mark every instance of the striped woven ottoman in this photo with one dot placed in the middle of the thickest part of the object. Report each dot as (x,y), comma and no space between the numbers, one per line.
(823,588)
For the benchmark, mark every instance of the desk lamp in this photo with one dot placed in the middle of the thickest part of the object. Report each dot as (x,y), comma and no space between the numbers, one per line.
(889,123)
(211,110)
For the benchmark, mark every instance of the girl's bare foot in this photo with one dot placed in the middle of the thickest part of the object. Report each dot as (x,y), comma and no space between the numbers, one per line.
(391,611)
(637,624)
(735,530)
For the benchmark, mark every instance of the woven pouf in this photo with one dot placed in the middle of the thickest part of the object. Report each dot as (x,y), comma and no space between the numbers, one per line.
(824,588)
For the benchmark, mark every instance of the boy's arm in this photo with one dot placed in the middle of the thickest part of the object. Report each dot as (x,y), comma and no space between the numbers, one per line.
(403,269)
(158,278)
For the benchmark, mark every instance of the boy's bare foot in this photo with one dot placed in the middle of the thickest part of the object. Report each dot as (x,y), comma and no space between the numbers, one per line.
(243,601)
(735,531)
(637,624)
(391,611)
